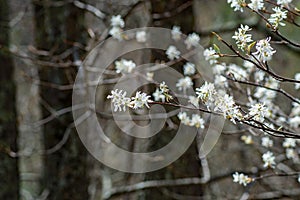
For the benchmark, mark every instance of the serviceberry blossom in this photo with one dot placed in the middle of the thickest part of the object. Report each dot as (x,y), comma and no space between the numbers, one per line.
(116,33)
(249,66)
(296,109)
(173,53)
(119,100)
(158,95)
(269,159)
(140,100)
(277,17)
(189,69)
(237,4)
(289,143)
(247,139)
(264,50)
(141,36)
(206,92)
(258,112)
(266,142)
(192,40)
(220,81)
(297,77)
(211,55)
(184,83)
(197,121)
(117,21)
(236,71)
(242,38)
(176,33)
(291,154)
(241,179)
(295,121)
(256,4)
(225,104)
(218,69)
(284,2)
(162,93)
(125,66)
(182,116)
(194,101)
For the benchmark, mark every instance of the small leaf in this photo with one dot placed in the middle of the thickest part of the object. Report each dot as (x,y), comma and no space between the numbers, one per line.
(297,10)
(216,48)
(250,46)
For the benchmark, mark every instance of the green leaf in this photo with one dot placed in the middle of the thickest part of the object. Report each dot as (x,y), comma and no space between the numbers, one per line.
(216,48)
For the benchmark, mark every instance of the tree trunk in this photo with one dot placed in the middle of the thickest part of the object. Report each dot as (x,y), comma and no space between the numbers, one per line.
(8,131)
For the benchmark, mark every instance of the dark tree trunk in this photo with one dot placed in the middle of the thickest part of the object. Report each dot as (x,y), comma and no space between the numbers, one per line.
(65,173)
(8,132)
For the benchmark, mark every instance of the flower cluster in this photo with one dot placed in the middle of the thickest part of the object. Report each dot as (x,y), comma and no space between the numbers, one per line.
(241,179)
(162,93)
(189,69)
(184,83)
(266,142)
(117,24)
(284,2)
(196,120)
(124,66)
(176,33)
(277,17)
(211,55)
(256,4)
(192,40)
(172,52)
(141,36)
(121,102)
(264,50)
(258,112)
(297,77)
(269,159)
(237,4)
(242,38)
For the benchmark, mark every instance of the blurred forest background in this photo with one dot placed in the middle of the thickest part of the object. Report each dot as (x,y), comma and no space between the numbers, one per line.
(41,155)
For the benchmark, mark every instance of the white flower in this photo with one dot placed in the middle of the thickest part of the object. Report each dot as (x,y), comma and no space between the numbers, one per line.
(290,153)
(266,142)
(158,94)
(172,52)
(264,50)
(249,66)
(297,77)
(141,36)
(163,87)
(182,116)
(189,69)
(289,142)
(210,55)
(238,72)
(140,100)
(295,121)
(194,101)
(125,66)
(119,100)
(206,92)
(197,121)
(256,4)
(149,76)
(116,32)
(296,109)
(277,17)
(269,159)
(258,112)
(226,105)
(259,76)
(220,81)
(241,179)
(117,21)
(176,33)
(192,40)
(283,2)
(247,139)
(237,4)
(219,68)
(184,83)
(242,39)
